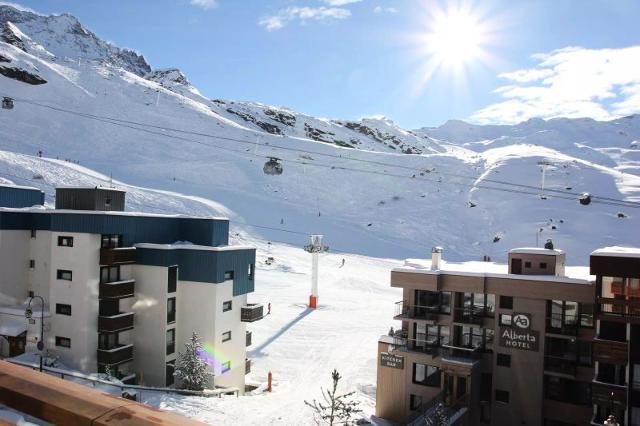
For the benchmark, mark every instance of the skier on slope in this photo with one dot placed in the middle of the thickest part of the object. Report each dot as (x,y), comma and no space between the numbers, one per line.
(343,261)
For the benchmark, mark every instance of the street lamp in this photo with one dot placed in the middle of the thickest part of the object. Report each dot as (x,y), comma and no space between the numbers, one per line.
(28,313)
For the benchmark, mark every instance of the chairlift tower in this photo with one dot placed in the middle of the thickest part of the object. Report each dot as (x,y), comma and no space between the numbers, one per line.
(544,165)
(315,248)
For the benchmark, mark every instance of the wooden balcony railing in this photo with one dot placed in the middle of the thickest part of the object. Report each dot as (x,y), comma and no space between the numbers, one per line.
(115,323)
(610,352)
(251,312)
(117,256)
(117,355)
(605,393)
(117,289)
(624,309)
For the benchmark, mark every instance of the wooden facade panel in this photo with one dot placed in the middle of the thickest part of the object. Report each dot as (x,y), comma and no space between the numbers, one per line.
(545,290)
(567,413)
(610,352)
(414,280)
(615,266)
(462,283)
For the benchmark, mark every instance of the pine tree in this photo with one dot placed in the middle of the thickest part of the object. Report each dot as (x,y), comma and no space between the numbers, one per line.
(439,417)
(191,370)
(336,409)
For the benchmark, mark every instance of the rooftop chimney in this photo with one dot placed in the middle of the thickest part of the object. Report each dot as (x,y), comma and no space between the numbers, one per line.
(436,258)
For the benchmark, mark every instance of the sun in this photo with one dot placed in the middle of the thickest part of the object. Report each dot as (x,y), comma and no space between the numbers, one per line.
(456,38)
(453,40)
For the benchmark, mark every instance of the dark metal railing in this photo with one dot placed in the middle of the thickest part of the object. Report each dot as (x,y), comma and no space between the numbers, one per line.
(472,315)
(561,364)
(431,312)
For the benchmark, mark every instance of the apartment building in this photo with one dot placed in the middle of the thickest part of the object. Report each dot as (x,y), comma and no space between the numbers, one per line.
(496,344)
(122,289)
(616,348)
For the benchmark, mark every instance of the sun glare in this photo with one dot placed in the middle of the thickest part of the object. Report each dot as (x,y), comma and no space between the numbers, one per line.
(456,38)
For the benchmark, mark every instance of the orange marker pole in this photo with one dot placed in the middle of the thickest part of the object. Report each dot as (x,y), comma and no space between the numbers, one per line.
(269,381)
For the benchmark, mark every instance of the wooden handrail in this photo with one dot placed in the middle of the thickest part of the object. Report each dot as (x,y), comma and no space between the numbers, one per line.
(63,402)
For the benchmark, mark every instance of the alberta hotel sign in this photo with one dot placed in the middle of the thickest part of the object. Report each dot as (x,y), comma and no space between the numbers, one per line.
(519,335)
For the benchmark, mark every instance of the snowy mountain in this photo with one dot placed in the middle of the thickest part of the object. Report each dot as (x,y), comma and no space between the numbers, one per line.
(370,186)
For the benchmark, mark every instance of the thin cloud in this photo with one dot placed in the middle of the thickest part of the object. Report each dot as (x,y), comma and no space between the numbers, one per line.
(205,4)
(302,14)
(340,2)
(570,82)
(381,9)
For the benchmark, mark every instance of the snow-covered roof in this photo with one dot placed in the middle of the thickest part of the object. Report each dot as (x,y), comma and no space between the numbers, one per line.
(573,274)
(106,188)
(12,327)
(190,247)
(43,210)
(616,251)
(536,250)
(10,185)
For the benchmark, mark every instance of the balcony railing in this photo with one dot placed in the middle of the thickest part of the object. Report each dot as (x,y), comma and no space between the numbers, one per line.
(115,323)
(625,309)
(606,393)
(429,346)
(561,364)
(610,352)
(429,313)
(251,312)
(117,289)
(117,256)
(248,338)
(247,366)
(472,315)
(116,355)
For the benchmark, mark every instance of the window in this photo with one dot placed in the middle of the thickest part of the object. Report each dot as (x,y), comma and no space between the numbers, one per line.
(505,319)
(527,264)
(227,306)
(567,390)
(111,241)
(586,315)
(169,370)
(63,342)
(426,375)
(171,310)
(506,302)
(503,360)
(107,202)
(226,336)
(543,265)
(65,275)
(251,271)
(171,341)
(32,263)
(63,309)
(65,241)
(415,402)
(226,366)
(109,274)
(172,279)
(228,275)
(33,233)
(502,396)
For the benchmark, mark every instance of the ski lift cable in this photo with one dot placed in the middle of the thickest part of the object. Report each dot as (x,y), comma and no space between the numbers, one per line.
(618,203)
(123,123)
(630,203)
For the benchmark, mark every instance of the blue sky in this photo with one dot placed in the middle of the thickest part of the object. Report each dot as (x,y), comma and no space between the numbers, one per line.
(353,58)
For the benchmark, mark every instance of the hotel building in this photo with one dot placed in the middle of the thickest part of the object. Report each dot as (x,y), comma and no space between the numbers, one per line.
(122,289)
(496,344)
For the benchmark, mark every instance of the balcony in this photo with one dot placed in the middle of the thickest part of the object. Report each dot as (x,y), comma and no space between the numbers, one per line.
(610,352)
(116,355)
(561,364)
(471,315)
(248,338)
(621,310)
(115,323)
(605,394)
(251,312)
(117,289)
(406,311)
(117,256)
(428,347)
(247,366)
(460,361)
